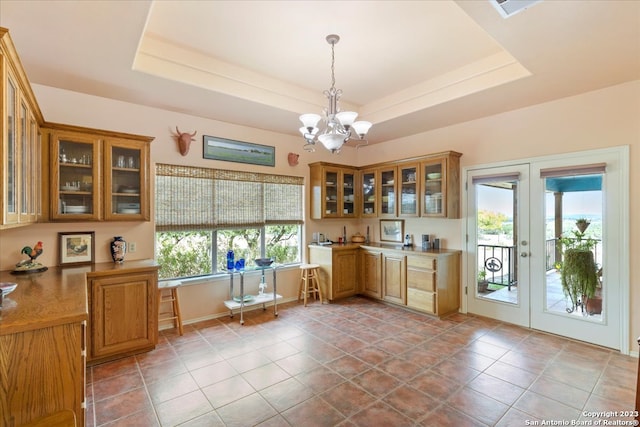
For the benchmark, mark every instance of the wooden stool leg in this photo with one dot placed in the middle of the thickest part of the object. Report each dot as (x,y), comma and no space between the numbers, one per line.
(300,286)
(316,284)
(176,309)
(306,286)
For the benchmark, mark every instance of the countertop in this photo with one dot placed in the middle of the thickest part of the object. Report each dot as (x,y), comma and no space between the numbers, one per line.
(398,247)
(53,297)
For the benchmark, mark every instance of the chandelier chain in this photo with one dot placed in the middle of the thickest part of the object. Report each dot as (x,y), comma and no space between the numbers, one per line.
(333,60)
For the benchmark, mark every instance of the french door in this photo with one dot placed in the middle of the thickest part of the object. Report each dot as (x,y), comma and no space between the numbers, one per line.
(524,220)
(498,243)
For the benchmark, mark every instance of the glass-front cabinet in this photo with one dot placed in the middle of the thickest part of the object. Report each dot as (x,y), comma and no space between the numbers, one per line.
(434,176)
(369,192)
(98,175)
(349,187)
(409,179)
(388,192)
(75,180)
(20,144)
(125,180)
(334,191)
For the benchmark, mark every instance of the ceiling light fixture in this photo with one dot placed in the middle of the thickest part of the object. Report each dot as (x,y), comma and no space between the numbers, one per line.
(338,126)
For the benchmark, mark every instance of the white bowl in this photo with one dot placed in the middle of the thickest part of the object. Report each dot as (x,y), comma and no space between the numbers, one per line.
(435,175)
(7,287)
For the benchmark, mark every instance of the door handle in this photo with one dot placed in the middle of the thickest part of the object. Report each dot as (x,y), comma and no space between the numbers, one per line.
(524,254)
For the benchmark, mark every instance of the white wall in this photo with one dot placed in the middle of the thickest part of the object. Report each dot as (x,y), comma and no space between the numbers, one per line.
(603,118)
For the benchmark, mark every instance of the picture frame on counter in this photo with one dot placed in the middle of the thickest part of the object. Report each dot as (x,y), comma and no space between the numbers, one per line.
(76,248)
(392,230)
(229,150)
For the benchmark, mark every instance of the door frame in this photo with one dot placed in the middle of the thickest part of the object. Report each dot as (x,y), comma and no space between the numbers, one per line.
(622,152)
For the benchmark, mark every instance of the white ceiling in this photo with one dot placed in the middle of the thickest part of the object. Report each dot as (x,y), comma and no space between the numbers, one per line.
(406,66)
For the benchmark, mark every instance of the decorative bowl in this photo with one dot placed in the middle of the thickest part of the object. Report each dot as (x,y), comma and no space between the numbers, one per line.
(7,287)
(264,262)
(435,175)
(357,238)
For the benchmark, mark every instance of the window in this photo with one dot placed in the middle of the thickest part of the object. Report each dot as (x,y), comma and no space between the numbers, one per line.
(201,213)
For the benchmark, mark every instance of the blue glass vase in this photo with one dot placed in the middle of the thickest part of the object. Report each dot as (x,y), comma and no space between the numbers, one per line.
(230,260)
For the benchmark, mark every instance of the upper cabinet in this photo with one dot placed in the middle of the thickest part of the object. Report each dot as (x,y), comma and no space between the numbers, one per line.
(20,142)
(97,175)
(427,186)
(440,187)
(334,191)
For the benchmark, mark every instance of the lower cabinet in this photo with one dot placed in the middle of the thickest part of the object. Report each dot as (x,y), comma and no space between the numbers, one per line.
(49,377)
(123,312)
(394,278)
(433,283)
(371,274)
(428,281)
(338,269)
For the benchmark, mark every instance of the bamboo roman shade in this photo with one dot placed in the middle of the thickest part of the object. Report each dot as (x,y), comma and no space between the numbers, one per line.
(195,198)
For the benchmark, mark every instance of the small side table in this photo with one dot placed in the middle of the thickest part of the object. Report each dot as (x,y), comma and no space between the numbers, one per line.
(242,301)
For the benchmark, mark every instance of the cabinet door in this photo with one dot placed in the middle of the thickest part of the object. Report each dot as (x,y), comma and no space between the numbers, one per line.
(349,199)
(345,278)
(408,190)
(123,314)
(10,150)
(369,192)
(434,190)
(371,273)
(394,285)
(331,193)
(75,177)
(388,192)
(126,183)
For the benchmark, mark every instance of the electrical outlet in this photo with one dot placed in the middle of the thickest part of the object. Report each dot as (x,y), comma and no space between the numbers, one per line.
(132,247)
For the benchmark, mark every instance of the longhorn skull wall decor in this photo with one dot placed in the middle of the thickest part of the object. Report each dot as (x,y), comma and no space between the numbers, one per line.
(184,140)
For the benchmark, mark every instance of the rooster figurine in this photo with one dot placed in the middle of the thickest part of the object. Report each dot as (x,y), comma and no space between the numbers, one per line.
(34,252)
(30,265)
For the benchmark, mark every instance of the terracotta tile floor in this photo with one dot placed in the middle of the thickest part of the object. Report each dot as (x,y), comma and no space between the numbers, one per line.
(359,363)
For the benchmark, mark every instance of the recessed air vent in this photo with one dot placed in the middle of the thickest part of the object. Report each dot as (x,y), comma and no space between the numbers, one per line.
(509,8)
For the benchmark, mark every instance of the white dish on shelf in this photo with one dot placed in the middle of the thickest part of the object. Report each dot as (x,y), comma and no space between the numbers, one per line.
(128,211)
(434,175)
(69,188)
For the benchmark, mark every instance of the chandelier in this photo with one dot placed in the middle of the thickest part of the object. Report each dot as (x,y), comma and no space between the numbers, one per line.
(338,127)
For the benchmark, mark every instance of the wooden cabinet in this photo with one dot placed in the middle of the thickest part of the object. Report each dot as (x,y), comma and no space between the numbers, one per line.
(433,282)
(20,142)
(338,269)
(394,287)
(369,196)
(97,175)
(428,281)
(123,310)
(42,347)
(408,190)
(440,185)
(388,192)
(371,273)
(334,191)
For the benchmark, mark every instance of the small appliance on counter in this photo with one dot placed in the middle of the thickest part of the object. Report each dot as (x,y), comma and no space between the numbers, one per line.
(321,239)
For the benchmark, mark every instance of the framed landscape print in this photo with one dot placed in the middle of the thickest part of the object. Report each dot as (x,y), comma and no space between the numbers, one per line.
(228,150)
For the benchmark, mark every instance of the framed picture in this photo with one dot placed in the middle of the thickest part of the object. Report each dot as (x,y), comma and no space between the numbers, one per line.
(77,248)
(229,150)
(391,230)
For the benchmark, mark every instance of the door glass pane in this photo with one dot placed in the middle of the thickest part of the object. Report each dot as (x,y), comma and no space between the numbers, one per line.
(369,193)
(348,193)
(497,274)
(408,186)
(12,179)
(76,177)
(574,251)
(331,192)
(388,191)
(126,180)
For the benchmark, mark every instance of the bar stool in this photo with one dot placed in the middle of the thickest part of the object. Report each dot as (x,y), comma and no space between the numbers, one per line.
(309,282)
(172,297)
